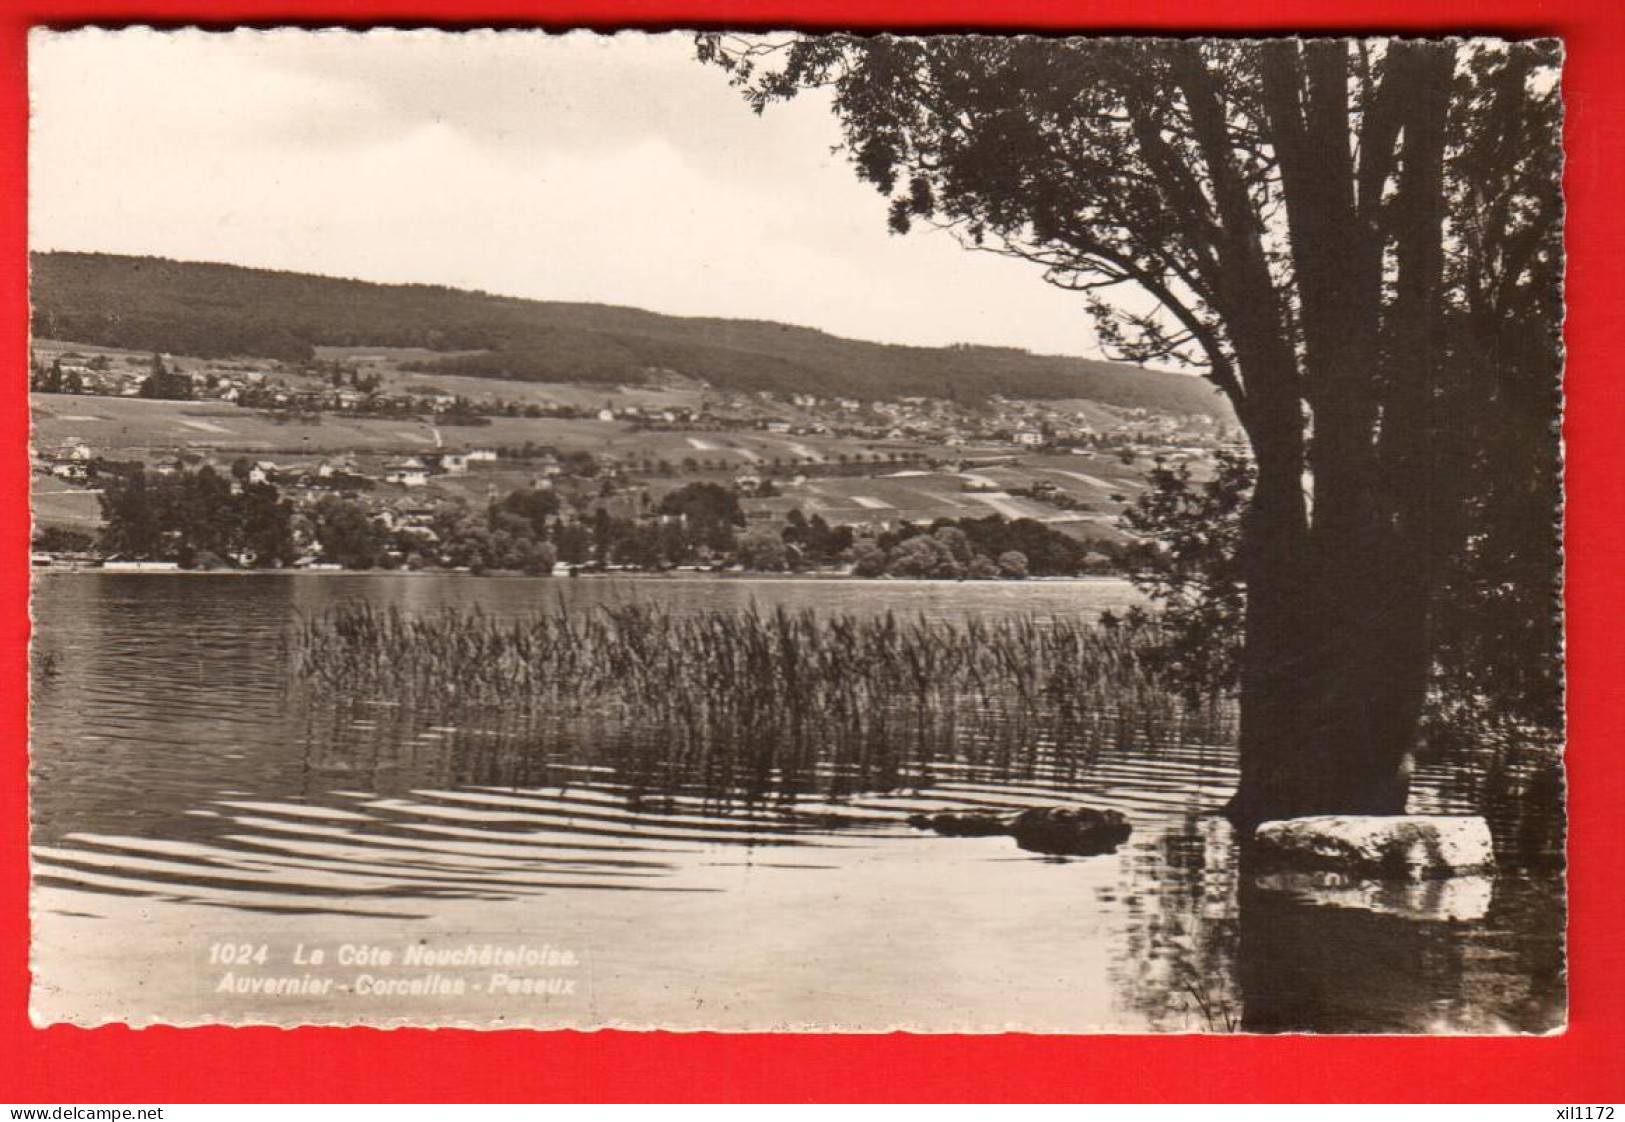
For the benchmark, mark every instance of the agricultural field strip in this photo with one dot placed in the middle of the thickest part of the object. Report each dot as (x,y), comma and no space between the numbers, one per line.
(1096,481)
(1006,505)
(132,423)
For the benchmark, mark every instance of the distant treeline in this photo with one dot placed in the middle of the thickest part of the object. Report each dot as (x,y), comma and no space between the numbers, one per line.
(209,519)
(219,311)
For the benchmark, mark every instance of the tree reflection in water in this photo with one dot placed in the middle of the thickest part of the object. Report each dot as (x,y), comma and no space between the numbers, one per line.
(1308,966)
(1212,947)
(1178,971)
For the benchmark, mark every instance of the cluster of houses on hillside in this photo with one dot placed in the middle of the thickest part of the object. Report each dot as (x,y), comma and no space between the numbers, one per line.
(1020,424)
(102,375)
(76,462)
(1017,423)
(416,471)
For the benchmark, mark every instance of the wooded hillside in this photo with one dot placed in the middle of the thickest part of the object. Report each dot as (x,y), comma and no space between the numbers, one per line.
(212,311)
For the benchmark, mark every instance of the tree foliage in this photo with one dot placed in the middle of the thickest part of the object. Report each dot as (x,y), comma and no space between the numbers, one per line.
(762,548)
(1194,575)
(710,510)
(1358,242)
(190,515)
(165,384)
(346,533)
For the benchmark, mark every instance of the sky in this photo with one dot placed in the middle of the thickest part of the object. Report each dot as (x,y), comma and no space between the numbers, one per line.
(611,169)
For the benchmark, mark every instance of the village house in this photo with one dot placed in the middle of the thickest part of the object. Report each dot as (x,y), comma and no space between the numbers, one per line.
(70,470)
(409,473)
(169,465)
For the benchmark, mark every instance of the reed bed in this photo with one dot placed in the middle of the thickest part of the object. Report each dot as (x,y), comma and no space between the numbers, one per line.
(752,699)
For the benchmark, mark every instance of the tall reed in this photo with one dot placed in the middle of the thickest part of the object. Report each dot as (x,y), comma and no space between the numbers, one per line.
(750,699)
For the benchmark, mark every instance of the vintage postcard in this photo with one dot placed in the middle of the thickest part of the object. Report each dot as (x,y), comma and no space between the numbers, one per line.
(796,532)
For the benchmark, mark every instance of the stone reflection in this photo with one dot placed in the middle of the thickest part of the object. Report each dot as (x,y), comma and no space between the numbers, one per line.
(1444,956)
(1210,946)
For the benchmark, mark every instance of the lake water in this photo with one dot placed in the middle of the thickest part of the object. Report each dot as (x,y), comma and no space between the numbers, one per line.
(205,850)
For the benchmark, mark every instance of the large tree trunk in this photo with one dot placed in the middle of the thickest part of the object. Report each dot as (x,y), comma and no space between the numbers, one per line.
(1336,665)
(1275,657)
(1333,680)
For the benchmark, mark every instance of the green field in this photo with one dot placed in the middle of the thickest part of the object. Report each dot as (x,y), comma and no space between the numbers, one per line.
(128,424)
(885,493)
(55,503)
(921,496)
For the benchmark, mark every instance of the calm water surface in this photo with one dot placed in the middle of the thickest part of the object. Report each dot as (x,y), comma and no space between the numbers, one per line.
(205,849)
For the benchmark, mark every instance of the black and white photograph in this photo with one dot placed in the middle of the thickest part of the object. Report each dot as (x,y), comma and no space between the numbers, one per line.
(791,532)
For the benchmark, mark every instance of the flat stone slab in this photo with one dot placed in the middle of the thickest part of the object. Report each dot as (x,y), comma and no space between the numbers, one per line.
(1398,847)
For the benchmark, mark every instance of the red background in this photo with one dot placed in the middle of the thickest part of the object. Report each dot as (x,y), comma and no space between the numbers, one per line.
(68,1065)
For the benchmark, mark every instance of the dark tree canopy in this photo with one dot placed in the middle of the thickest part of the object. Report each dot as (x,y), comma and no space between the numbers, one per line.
(711,510)
(1359,243)
(166,384)
(191,515)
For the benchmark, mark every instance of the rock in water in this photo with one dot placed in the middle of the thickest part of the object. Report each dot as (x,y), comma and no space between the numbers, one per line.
(1070,831)
(962,824)
(1408,847)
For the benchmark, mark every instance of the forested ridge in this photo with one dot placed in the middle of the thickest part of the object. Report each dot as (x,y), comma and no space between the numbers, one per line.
(216,311)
